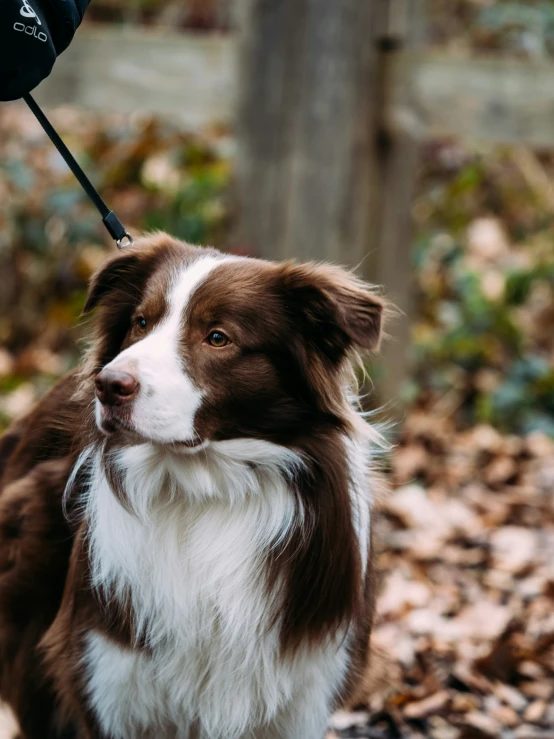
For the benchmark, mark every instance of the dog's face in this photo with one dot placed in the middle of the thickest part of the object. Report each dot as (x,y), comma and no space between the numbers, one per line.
(194,346)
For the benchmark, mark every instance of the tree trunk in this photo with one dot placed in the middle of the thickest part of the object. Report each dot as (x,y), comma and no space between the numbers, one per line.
(315,176)
(306,164)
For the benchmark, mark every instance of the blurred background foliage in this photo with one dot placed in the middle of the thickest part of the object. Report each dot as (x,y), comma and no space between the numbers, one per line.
(484,268)
(464,628)
(521,28)
(482,259)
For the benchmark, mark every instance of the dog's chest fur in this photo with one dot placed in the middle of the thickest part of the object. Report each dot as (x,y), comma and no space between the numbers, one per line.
(191,560)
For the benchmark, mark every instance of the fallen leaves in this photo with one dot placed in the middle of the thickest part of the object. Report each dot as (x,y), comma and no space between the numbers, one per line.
(465,617)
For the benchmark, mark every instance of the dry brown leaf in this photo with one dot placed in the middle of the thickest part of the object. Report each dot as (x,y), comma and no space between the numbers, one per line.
(433,704)
(509,695)
(484,620)
(514,548)
(500,470)
(535,712)
(505,715)
(485,724)
(400,593)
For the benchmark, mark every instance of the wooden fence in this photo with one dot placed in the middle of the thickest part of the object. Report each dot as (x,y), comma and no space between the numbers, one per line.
(193,79)
(329,101)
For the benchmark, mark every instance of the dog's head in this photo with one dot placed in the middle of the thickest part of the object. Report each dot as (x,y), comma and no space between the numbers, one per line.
(194,346)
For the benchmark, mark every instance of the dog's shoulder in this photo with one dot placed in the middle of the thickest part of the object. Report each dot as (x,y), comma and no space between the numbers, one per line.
(36,457)
(37,454)
(51,430)
(35,547)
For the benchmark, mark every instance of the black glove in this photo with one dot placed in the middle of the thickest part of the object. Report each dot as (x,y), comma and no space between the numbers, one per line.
(32,34)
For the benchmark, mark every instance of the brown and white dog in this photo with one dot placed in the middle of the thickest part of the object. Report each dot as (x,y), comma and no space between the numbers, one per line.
(185,520)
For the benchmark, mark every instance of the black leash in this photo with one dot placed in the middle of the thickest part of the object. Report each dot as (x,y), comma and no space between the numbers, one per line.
(115,228)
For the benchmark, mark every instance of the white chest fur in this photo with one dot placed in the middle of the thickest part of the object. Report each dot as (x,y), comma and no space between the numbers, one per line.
(191,558)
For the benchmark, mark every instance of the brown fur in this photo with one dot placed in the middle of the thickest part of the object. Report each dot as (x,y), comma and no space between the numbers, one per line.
(294,327)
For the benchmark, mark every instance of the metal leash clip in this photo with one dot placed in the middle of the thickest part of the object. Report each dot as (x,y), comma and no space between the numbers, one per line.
(117,230)
(124,242)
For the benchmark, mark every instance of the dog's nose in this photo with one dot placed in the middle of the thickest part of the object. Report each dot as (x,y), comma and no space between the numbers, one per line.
(114,387)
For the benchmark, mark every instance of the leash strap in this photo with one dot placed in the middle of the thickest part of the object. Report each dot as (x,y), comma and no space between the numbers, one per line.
(115,228)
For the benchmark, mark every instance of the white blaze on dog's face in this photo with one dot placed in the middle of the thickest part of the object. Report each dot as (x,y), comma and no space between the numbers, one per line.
(166,400)
(194,346)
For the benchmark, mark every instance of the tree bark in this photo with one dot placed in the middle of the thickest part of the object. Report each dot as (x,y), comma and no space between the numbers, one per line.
(318,175)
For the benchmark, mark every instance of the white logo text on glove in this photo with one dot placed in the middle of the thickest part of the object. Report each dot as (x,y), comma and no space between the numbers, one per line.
(28,12)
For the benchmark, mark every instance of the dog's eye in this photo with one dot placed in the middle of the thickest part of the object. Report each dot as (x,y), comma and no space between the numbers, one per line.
(140,322)
(217,339)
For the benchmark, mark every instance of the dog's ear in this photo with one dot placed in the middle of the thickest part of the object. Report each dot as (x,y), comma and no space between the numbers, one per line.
(119,273)
(116,289)
(123,277)
(338,310)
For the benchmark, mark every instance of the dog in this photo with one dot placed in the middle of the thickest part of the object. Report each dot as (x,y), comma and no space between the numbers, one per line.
(185,520)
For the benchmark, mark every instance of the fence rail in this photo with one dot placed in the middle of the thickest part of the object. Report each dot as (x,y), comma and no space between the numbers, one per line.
(489,99)
(193,79)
